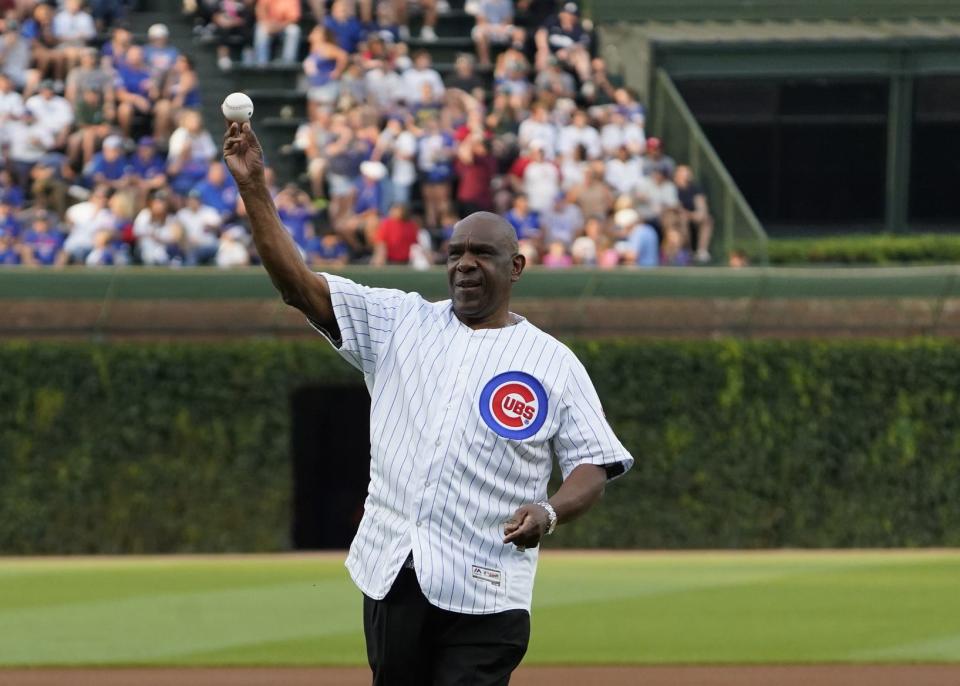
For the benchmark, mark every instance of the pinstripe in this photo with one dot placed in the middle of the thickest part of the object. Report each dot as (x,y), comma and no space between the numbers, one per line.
(426,372)
(511,332)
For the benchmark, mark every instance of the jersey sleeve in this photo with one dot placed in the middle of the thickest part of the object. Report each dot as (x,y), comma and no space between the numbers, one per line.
(584,436)
(366,318)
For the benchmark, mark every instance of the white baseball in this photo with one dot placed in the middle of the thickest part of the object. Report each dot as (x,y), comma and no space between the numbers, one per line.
(237,107)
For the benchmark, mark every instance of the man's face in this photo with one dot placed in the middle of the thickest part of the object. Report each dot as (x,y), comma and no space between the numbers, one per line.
(135,57)
(481,267)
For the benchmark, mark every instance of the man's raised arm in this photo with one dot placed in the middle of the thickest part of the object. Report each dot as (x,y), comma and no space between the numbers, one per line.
(298,286)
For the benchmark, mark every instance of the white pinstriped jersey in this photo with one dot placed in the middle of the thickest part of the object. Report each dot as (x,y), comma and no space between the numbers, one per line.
(464,425)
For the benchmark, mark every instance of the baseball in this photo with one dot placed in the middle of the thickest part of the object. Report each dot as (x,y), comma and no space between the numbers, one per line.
(237,107)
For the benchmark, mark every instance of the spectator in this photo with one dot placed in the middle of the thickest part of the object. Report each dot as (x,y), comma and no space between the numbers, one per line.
(11,252)
(395,236)
(538,127)
(510,77)
(587,249)
(231,19)
(475,169)
(554,80)
(105,252)
(541,180)
(381,80)
(386,28)
(579,132)
(642,245)
(346,28)
(233,250)
(564,37)
(73,28)
(344,156)
(16,55)
(312,138)
(358,226)
(159,55)
(201,229)
(180,92)
(557,256)
(655,157)
(435,165)
(11,106)
(495,26)
(664,198)
(115,50)
(562,222)
(48,187)
(598,91)
(52,112)
(134,90)
(400,144)
(147,170)
(695,213)
(465,78)
(48,60)
(524,221)
(573,168)
(296,214)
(593,196)
(9,224)
(624,173)
(219,191)
(190,153)
(275,17)
(673,252)
(422,73)
(84,220)
(29,141)
(157,233)
(110,166)
(43,243)
(323,67)
(90,92)
(327,250)
(620,132)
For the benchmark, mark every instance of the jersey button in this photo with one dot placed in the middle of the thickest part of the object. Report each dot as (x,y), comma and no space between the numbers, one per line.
(437,443)
(418,524)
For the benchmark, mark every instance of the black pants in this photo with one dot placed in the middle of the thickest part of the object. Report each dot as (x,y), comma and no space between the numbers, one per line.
(412,643)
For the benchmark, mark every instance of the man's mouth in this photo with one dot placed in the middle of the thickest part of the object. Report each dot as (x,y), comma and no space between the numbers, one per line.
(468,283)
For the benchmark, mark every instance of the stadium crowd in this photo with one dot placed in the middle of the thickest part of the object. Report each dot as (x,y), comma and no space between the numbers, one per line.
(107,160)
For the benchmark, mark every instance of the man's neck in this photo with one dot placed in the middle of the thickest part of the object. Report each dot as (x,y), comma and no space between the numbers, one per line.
(497,320)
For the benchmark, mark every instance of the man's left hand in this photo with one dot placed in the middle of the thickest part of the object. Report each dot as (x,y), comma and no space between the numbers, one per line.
(526,527)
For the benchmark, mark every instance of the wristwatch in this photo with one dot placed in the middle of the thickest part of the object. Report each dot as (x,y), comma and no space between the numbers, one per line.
(551,513)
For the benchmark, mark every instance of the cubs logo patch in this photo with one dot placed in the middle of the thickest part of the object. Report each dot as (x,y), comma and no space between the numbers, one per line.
(514,405)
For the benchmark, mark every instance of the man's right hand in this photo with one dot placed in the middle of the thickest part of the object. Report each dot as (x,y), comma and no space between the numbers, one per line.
(243,154)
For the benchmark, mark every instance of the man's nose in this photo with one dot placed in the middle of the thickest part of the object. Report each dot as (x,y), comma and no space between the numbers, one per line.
(467,262)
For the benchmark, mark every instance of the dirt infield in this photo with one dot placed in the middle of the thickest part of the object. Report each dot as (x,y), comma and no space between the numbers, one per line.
(814,675)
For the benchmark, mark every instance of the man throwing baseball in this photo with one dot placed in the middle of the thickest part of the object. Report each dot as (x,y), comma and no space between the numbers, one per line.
(470,404)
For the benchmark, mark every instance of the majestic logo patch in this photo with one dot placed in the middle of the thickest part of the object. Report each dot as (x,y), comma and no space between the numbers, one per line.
(514,405)
(491,576)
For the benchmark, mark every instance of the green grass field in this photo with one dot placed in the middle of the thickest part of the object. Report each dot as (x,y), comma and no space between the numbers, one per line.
(792,607)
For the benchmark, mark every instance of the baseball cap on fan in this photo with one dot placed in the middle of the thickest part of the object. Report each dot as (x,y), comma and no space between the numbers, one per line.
(570,8)
(158,31)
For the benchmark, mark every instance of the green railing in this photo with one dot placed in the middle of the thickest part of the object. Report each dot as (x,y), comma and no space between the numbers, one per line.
(759,10)
(738,228)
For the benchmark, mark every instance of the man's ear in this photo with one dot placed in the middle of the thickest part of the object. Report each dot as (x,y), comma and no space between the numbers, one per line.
(519,262)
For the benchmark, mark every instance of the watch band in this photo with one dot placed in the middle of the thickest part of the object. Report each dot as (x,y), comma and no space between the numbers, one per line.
(551,513)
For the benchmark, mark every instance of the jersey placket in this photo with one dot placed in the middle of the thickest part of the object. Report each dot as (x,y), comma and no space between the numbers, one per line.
(444,424)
